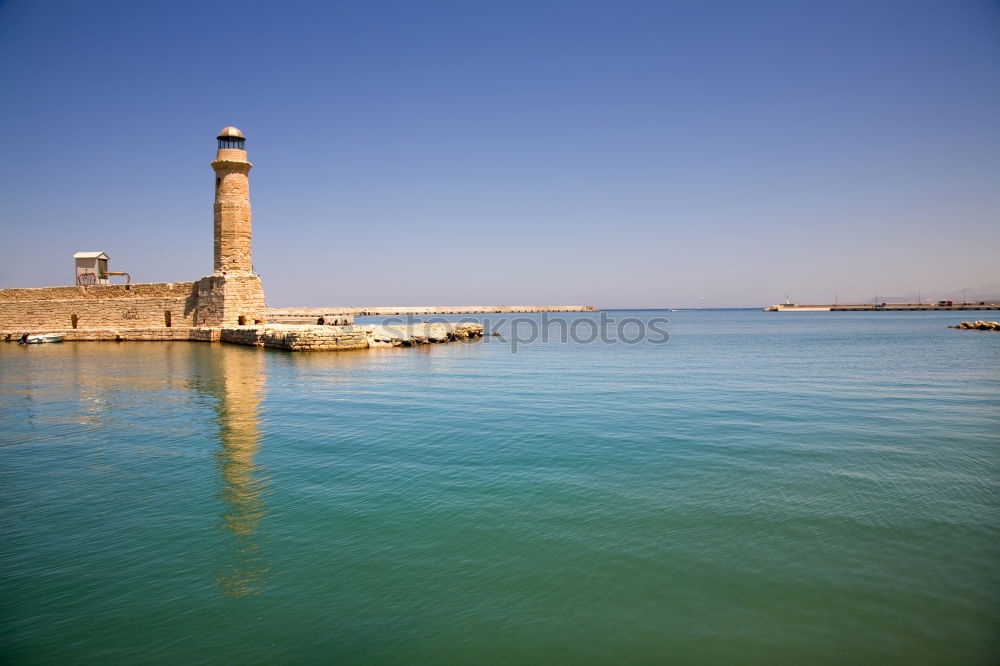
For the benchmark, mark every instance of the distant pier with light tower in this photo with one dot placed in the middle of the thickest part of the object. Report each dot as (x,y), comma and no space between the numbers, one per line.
(882,307)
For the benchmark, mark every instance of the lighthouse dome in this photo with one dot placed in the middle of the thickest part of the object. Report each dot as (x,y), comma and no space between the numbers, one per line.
(231,133)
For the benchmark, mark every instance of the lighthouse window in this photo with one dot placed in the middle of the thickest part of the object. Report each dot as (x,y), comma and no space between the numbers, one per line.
(231,142)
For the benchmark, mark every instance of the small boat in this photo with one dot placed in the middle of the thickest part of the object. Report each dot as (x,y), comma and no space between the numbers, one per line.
(41,339)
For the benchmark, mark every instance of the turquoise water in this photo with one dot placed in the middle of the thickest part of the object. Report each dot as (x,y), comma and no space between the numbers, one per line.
(762,489)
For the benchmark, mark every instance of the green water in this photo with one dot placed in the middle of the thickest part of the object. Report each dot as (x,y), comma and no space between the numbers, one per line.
(763,489)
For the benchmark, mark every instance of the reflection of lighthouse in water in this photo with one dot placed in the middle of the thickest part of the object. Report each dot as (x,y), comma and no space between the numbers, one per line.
(240,388)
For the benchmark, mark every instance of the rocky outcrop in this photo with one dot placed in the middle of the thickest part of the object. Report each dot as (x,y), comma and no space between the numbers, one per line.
(344,338)
(417,334)
(978,326)
(298,338)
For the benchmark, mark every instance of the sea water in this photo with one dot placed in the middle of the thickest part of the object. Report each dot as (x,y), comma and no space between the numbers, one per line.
(760,488)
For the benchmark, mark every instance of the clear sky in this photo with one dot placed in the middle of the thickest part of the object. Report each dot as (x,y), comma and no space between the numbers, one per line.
(622,154)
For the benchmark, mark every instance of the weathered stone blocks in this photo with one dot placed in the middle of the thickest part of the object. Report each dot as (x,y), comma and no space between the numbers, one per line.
(99,306)
(230,300)
(343,338)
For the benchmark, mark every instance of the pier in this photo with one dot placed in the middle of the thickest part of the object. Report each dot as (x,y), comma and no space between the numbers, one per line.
(879,307)
(335,316)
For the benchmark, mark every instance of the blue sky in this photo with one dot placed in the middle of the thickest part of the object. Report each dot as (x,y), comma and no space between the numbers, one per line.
(622,154)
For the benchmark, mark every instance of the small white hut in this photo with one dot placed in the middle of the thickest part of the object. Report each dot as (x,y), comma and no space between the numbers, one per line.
(91,268)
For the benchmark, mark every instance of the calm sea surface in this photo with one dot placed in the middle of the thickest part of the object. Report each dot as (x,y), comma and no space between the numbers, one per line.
(762,489)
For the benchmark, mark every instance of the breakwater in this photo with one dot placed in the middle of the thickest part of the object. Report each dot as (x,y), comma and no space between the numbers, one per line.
(881,307)
(281,336)
(344,338)
(345,315)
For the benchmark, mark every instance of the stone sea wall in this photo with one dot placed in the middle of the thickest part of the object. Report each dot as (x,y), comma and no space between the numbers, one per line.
(165,304)
(149,334)
(213,301)
(389,310)
(291,338)
(98,292)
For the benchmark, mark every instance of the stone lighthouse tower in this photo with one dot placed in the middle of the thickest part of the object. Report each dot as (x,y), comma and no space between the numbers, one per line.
(232,204)
(232,295)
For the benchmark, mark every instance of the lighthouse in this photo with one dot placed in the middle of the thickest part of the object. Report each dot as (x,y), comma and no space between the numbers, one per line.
(232,295)
(232,205)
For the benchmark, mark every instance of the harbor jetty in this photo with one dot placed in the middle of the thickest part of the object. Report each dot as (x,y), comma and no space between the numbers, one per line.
(280,336)
(335,316)
(882,307)
(226,306)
